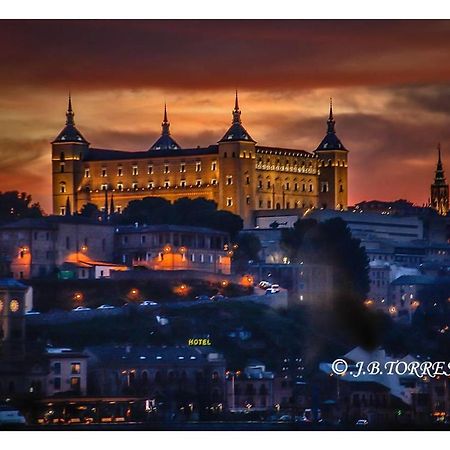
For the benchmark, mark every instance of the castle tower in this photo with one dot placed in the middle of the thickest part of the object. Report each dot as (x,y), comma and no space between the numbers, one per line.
(439,189)
(68,151)
(237,154)
(333,184)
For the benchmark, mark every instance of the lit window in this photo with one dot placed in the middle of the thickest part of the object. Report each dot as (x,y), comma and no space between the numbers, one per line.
(62,211)
(87,173)
(166,168)
(229,201)
(183,167)
(62,188)
(213,181)
(324,186)
(104,173)
(134,185)
(229,180)
(150,185)
(135,170)
(198,166)
(104,187)
(198,183)
(287,186)
(119,171)
(119,186)
(150,169)
(166,184)
(75,368)
(214,165)
(183,183)
(311,188)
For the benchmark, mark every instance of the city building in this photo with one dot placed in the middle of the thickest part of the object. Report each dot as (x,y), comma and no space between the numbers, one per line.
(174,247)
(239,175)
(256,389)
(38,247)
(178,379)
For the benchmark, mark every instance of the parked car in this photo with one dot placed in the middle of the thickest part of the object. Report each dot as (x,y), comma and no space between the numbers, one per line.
(362,423)
(105,307)
(81,308)
(149,303)
(32,313)
(264,284)
(274,289)
(218,298)
(11,416)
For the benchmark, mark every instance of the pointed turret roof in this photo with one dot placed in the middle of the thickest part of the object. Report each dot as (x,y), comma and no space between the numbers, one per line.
(331,141)
(70,133)
(439,178)
(236,132)
(165,141)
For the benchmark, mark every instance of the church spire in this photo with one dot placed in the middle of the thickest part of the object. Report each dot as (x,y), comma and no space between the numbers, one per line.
(331,141)
(439,177)
(165,141)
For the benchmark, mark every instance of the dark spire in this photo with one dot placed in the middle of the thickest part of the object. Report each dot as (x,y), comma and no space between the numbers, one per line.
(331,141)
(106,215)
(165,142)
(236,132)
(165,123)
(330,121)
(70,133)
(70,114)
(439,177)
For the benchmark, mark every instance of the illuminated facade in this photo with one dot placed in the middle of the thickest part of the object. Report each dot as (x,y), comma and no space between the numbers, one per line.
(239,175)
(439,189)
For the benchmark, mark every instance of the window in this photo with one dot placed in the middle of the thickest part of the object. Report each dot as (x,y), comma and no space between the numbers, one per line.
(143,239)
(288,186)
(324,186)
(166,168)
(104,187)
(134,185)
(269,204)
(62,187)
(57,383)
(213,181)
(229,180)
(150,185)
(183,183)
(135,170)
(87,173)
(198,166)
(119,171)
(62,211)
(75,368)
(61,167)
(120,186)
(260,184)
(303,187)
(260,203)
(229,201)
(150,169)
(183,167)
(214,165)
(268,184)
(311,188)
(75,384)
(198,183)
(104,173)
(247,180)
(166,184)
(247,200)
(57,368)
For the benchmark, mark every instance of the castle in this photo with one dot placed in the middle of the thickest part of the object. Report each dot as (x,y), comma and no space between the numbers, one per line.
(239,175)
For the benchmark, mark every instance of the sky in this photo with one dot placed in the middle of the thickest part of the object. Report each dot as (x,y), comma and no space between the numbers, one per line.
(390,83)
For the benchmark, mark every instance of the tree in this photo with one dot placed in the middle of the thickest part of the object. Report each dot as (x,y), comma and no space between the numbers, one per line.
(90,210)
(330,242)
(248,248)
(15,206)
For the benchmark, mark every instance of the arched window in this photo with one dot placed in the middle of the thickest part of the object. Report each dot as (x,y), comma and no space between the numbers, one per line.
(62,187)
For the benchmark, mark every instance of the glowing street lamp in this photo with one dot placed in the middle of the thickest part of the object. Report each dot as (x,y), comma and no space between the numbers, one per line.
(78,297)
